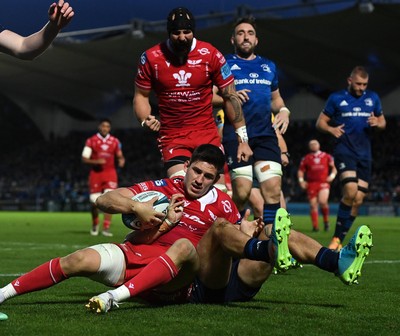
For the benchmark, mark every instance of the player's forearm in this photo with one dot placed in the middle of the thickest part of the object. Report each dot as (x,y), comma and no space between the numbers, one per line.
(381,123)
(113,202)
(35,44)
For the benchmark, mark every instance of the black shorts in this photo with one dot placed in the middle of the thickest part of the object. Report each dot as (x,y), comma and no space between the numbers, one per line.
(264,149)
(361,167)
(235,291)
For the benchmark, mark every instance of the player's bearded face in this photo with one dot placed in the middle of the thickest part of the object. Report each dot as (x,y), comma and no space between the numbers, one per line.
(357,85)
(181,41)
(200,177)
(244,40)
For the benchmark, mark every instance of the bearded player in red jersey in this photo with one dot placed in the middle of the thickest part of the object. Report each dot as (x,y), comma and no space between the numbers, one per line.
(182,72)
(100,152)
(315,174)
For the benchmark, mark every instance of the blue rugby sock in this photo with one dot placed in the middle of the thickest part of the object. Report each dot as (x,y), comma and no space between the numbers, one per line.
(342,220)
(327,259)
(256,249)
(270,212)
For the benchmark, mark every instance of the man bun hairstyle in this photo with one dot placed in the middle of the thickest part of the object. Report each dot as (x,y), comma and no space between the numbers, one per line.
(180,18)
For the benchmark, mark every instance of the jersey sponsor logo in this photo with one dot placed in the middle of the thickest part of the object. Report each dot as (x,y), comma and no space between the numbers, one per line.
(266,68)
(236,67)
(182,77)
(368,102)
(143,58)
(253,75)
(343,103)
(252,81)
(225,71)
(203,51)
(194,62)
(227,206)
(160,183)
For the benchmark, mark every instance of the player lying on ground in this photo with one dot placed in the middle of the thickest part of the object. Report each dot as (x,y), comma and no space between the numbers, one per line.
(167,267)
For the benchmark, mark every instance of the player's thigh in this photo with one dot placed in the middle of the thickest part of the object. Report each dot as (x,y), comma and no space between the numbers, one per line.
(323,195)
(215,263)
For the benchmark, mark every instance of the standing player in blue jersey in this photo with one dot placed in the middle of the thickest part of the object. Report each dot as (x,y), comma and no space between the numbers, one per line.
(256,83)
(350,115)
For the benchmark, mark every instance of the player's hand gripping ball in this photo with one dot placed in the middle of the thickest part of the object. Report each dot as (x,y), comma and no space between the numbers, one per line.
(161,205)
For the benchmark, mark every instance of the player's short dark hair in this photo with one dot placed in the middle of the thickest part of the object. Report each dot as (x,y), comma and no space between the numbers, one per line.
(251,20)
(210,154)
(180,18)
(104,120)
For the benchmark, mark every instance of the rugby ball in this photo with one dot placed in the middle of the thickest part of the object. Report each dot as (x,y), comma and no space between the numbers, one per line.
(160,205)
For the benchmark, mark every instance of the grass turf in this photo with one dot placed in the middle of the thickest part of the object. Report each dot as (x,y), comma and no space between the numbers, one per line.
(305,301)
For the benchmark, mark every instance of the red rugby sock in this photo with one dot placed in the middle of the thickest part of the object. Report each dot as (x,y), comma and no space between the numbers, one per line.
(157,273)
(43,276)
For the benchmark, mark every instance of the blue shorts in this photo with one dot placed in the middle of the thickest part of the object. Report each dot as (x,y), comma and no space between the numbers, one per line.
(235,291)
(264,149)
(362,167)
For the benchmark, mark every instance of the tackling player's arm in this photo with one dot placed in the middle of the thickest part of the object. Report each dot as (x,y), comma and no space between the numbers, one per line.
(142,109)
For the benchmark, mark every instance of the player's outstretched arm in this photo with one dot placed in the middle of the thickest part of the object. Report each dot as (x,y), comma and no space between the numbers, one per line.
(28,48)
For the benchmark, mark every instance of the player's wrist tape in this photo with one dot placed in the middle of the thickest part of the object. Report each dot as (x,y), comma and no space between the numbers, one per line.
(143,123)
(284,109)
(286,153)
(242,134)
(301,179)
(166,220)
(332,175)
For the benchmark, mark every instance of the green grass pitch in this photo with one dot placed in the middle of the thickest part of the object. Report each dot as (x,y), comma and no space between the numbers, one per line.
(305,301)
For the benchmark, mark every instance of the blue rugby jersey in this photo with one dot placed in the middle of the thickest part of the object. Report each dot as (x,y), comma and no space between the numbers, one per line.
(343,108)
(260,76)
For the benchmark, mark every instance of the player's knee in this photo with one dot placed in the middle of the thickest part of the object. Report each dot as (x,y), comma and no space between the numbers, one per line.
(75,262)
(184,250)
(266,170)
(240,197)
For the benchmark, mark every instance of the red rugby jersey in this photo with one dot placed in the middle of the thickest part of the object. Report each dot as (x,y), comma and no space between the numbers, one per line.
(184,91)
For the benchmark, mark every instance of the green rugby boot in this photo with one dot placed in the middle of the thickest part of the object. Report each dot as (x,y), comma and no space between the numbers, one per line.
(352,256)
(280,238)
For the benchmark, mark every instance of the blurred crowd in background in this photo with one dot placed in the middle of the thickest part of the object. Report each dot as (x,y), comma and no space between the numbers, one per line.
(38,174)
